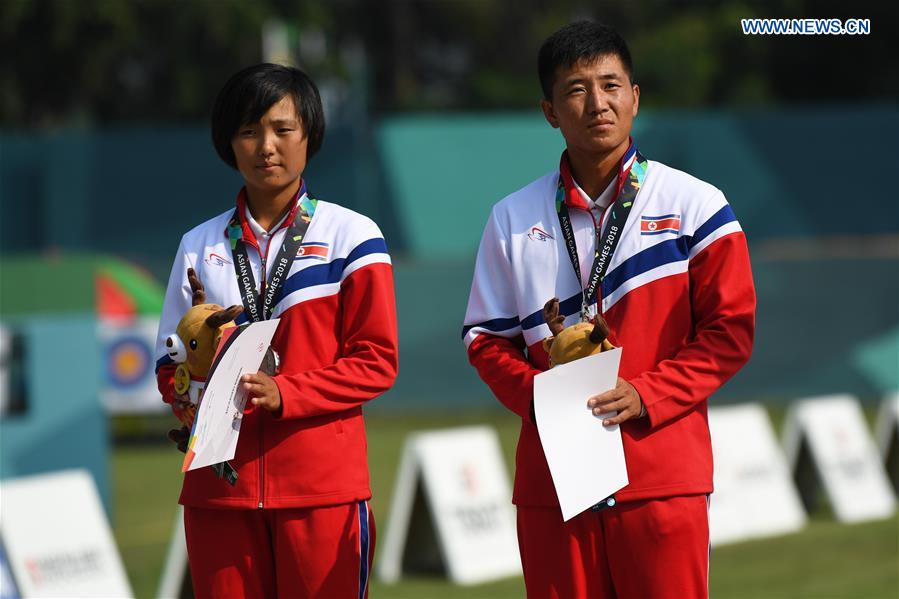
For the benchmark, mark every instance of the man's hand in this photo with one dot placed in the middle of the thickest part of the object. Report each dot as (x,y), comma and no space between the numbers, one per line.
(623,398)
(262,390)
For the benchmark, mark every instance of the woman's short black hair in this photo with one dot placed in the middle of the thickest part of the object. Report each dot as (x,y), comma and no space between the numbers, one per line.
(581,40)
(248,95)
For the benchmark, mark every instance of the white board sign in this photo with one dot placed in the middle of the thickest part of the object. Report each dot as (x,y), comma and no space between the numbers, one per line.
(459,476)
(57,538)
(754,493)
(887,434)
(832,434)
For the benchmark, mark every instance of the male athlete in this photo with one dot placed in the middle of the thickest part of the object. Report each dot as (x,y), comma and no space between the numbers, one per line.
(661,256)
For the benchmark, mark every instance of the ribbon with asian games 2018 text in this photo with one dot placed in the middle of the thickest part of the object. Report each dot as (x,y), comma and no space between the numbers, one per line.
(271,286)
(618,211)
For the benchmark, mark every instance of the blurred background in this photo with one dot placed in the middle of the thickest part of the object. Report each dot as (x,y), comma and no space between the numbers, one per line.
(432,116)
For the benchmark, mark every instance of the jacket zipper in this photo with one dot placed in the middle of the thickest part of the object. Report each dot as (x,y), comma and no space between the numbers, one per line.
(263,275)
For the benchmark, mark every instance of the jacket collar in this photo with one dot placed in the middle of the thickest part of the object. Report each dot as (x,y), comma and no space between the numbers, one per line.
(573,197)
(241,213)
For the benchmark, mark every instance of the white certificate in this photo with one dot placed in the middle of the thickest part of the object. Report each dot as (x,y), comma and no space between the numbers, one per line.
(213,437)
(586,459)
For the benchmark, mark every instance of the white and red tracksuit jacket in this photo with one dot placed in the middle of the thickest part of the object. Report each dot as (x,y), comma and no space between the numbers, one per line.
(337,342)
(678,297)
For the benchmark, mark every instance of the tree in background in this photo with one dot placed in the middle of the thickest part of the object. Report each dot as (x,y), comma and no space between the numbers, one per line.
(76,62)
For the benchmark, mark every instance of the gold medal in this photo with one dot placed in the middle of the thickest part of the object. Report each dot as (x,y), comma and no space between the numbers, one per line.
(182,380)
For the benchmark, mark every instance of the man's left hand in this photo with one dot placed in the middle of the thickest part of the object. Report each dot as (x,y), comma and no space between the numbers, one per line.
(623,399)
(263,391)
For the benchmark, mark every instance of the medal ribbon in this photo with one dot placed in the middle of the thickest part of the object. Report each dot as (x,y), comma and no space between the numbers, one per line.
(273,287)
(632,172)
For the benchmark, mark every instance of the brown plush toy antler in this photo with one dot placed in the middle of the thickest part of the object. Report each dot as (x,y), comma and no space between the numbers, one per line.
(196,286)
(577,341)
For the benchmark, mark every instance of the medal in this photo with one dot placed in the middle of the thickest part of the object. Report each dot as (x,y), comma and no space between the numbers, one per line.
(182,380)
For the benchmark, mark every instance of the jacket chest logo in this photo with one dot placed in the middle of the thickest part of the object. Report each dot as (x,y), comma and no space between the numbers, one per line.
(538,234)
(214,259)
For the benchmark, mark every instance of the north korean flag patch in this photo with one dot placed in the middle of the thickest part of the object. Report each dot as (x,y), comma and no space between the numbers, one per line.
(655,225)
(313,250)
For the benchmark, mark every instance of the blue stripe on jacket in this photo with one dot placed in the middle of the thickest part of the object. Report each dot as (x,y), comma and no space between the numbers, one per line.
(320,274)
(660,254)
(495,325)
(331,272)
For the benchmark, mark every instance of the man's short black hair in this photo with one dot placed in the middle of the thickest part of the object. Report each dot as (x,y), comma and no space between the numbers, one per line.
(581,40)
(248,95)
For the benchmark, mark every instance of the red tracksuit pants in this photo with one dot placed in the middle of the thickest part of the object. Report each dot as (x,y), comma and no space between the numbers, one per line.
(650,549)
(284,553)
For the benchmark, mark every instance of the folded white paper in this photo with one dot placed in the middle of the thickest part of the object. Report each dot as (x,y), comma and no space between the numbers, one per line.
(586,459)
(217,424)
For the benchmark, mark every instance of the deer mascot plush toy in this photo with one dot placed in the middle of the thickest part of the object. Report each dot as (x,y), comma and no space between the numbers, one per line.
(193,345)
(577,341)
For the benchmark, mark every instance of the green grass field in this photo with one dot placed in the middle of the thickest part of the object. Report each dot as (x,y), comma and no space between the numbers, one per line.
(827,559)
